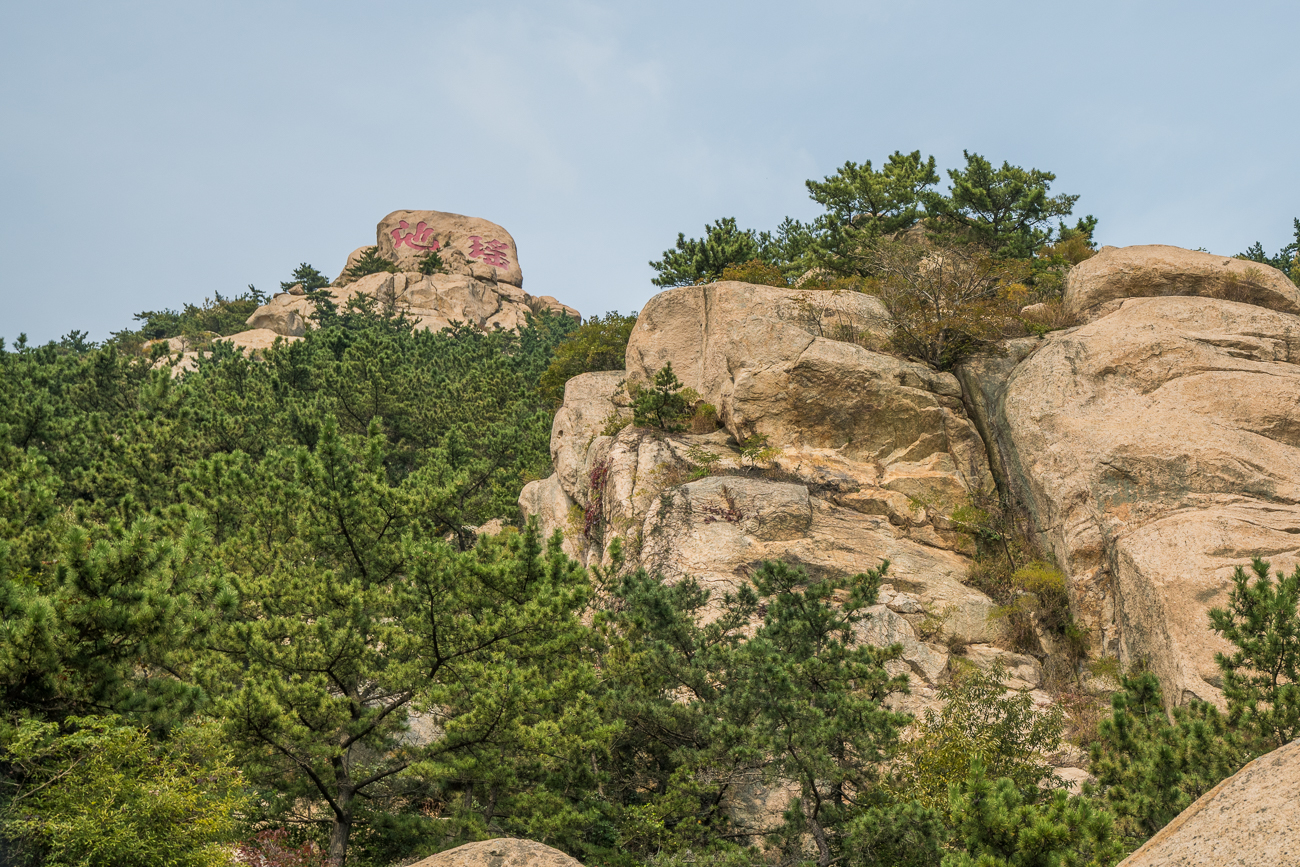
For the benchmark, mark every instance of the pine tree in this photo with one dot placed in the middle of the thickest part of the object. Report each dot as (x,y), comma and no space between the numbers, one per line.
(997,825)
(1261,677)
(662,405)
(702,260)
(1149,767)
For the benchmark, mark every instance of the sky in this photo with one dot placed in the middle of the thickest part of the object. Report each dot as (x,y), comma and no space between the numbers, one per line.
(154,154)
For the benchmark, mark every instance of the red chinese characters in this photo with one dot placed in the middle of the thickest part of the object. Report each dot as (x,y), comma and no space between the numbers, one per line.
(418,239)
(491,252)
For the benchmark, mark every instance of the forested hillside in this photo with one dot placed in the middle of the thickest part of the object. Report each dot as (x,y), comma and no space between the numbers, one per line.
(282,608)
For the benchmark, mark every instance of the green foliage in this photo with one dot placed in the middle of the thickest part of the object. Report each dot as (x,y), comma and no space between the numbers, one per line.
(94,792)
(998,824)
(107,621)
(219,316)
(863,204)
(754,450)
(1287,259)
(349,618)
(371,262)
(1150,767)
(1261,677)
(1006,210)
(757,272)
(702,260)
(662,405)
(307,277)
(945,303)
(600,343)
(431,263)
(980,721)
(705,710)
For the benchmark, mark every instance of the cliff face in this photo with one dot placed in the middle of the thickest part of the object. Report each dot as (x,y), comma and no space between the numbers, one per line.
(1149,450)
(867,455)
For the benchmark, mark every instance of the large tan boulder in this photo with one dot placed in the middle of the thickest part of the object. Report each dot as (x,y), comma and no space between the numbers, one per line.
(1251,819)
(255,340)
(1099,284)
(867,455)
(502,852)
(794,366)
(405,237)
(434,301)
(1156,449)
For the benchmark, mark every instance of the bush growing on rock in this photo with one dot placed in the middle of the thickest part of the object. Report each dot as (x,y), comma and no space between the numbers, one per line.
(944,303)
(372,262)
(662,406)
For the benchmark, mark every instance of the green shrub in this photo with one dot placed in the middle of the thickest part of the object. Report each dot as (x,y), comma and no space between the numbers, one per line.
(980,721)
(757,272)
(661,406)
(369,262)
(215,316)
(1152,763)
(600,343)
(431,263)
(307,277)
(95,792)
(1261,677)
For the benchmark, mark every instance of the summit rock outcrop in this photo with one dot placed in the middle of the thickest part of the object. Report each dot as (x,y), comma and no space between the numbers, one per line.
(477,283)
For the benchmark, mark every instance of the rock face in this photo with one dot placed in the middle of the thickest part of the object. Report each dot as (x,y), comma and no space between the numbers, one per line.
(867,453)
(467,245)
(1098,285)
(1251,819)
(504,852)
(434,302)
(479,284)
(1155,449)
(793,366)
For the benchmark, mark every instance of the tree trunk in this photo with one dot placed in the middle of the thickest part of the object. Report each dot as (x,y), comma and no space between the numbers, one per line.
(342,827)
(818,833)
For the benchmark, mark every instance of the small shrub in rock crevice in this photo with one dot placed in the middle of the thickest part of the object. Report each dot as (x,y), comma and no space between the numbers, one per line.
(369,262)
(661,406)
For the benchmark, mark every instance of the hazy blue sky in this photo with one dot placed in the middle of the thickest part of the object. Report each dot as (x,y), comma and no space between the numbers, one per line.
(154,153)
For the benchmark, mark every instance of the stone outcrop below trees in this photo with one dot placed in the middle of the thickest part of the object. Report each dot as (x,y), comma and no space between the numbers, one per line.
(1251,819)
(1149,452)
(502,852)
(433,301)
(866,456)
(478,281)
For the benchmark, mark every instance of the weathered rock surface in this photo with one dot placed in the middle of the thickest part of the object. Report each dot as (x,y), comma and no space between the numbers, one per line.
(776,362)
(1155,449)
(434,302)
(1251,819)
(503,852)
(184,359)
(467,245)
(1098,285)
(868,453)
